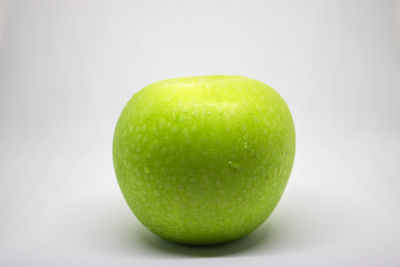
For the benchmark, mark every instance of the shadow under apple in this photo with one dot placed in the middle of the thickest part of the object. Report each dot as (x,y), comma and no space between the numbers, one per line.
(109,226)
(152,242)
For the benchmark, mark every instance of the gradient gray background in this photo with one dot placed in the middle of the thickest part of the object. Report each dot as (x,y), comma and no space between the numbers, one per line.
(67,68)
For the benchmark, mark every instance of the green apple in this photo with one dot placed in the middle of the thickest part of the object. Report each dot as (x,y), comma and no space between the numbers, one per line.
(204,160)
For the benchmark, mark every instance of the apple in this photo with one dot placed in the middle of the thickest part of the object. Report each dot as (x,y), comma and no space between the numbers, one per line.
(204,160)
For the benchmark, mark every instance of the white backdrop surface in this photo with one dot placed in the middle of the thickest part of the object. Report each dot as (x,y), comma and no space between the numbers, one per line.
(67,68)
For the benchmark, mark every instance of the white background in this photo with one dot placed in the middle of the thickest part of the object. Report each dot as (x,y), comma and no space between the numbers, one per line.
(67,68)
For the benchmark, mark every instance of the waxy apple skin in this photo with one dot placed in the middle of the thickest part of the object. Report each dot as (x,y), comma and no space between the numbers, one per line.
(204,160)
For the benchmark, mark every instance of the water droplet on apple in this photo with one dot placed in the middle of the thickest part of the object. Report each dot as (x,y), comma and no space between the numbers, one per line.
(234,165)
(146,170)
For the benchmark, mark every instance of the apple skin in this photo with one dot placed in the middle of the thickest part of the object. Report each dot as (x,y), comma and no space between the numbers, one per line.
(204,160)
